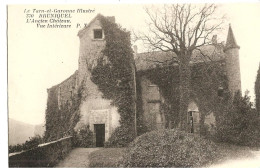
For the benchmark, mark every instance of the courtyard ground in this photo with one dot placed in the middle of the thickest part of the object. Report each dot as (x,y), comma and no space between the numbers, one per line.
(109,157)
(78,157)
(246,162)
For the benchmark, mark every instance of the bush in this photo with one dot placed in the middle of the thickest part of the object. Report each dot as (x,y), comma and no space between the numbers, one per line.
(239,123)
(83,138)
(29,144)
(168,148)
(107,157)
(121,137)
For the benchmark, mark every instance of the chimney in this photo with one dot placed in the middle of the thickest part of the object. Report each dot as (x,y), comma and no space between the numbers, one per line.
(111,19)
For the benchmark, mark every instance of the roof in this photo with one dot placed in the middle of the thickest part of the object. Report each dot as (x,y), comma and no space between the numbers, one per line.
(110,18)
(231,41)
(149,60)
(84,28)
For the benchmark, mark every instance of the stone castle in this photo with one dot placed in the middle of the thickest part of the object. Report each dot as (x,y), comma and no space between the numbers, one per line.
(103,118)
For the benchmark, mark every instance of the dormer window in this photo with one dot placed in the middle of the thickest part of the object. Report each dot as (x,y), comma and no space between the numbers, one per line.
(98,34)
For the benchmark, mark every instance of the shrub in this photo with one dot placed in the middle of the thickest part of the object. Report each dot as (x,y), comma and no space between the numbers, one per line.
(239,123)
(121,137)
(107,157)
(83,138)
(168,148)
(29,144)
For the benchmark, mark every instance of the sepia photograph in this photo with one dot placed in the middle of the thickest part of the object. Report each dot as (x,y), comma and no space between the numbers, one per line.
(134,85)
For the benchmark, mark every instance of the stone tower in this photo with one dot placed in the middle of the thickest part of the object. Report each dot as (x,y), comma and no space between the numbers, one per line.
(232,62)
(95,111)
(92,43)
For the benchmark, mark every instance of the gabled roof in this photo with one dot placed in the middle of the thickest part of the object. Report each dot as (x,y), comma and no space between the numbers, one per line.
(231,41)
(84,28)
(149,60)
(110,18)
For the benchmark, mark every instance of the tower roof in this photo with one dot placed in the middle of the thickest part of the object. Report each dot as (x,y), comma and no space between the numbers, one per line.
(231,41)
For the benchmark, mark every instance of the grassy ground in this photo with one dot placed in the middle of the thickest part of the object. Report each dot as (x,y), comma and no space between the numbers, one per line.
(106,157)
(110,157)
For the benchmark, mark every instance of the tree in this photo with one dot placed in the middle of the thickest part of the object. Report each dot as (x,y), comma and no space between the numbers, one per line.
(239,123)
(181,29)
(257,91)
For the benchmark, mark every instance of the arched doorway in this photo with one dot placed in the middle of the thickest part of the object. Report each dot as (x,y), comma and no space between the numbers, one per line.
(193,117)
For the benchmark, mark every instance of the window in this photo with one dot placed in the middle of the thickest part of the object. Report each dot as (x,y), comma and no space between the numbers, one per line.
(220,91)
(98,34)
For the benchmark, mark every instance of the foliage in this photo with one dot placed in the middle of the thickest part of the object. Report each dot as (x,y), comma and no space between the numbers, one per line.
(115,78)
(113,157)
(239,123)
(120,137)
(169,148)
(257,91)
(29,144)
(141,126)
(60,122)
(107,157)
(84,137)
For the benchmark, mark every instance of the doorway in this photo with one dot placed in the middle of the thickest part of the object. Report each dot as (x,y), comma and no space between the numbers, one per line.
(100,134)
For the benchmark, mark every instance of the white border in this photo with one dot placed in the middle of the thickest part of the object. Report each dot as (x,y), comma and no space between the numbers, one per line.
(3,49)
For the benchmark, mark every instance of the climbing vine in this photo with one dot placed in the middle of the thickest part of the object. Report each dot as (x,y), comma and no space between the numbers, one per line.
(115,78)
(60,122)
(206,79)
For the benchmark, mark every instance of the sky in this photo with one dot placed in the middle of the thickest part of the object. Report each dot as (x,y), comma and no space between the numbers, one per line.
(39,58)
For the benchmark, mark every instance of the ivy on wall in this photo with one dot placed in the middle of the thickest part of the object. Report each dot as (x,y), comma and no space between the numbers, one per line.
(60,122)
(115,78)
(206,79)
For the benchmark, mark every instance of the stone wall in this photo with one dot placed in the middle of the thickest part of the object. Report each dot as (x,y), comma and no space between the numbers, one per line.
(45,155)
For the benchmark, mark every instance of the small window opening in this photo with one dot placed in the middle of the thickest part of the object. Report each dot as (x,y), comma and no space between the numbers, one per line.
(98,34)
(220,91)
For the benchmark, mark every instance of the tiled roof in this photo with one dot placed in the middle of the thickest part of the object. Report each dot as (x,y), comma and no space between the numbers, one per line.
(149,60)
(231,41)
